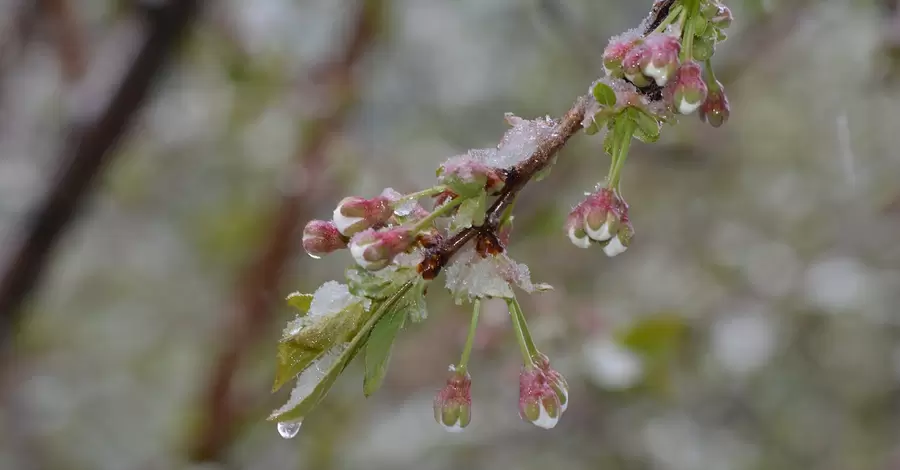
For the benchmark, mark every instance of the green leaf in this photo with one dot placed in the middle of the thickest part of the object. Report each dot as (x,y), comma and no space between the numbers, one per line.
(299,301)
(292,360)
(471,212)
(613,137)
(378,348)
(321,389)
(646,126)
(592,129)
(604,94)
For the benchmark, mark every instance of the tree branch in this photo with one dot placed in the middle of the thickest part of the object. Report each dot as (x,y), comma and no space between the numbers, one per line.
(257,289)
(90,148)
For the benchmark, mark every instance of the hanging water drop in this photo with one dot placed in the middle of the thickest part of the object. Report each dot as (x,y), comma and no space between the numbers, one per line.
(289,430)
(313,256)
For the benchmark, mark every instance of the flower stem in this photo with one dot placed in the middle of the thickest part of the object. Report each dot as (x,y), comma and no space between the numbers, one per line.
(526,333)
(712,82)
(422,224)
(520,334)
(470,339)
(673,14)
(432,191)
(623,142)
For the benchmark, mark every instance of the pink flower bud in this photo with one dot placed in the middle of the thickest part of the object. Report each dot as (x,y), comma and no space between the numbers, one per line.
(354,214)
(375,249)
(715,109)
(660,62)
(453,403)
(619,243)
(321,237)
(613,56)
(556,381)
(575,227)
(538,403)
(688,91)
(632,64)
(467,170)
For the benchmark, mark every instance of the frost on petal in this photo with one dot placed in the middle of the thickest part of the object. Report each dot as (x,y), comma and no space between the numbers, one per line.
(470,276)
(309,378)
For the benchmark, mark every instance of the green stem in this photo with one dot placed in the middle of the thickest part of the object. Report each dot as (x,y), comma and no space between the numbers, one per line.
(673,14)
(470,339)
(432,191)
(624,143)
(520,316)
(712,82)
(687,51)
(422,224)
(520,335)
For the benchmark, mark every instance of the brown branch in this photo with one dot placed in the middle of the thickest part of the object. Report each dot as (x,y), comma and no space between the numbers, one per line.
(258,288)
(519,176)
(90,147)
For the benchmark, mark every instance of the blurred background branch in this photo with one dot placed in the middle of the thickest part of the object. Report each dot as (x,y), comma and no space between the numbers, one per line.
(260,289)
(90,146)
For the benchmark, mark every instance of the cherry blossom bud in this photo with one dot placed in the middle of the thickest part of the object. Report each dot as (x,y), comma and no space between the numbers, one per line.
(602,211)
(355,214)
(575,227)
(660,61)
(375,249)
(619,243)
(555,379)
(632,64)
(538,403)
(321,237)
(613,56)
(467,170)
(453,403)
(688,91)
(715,109)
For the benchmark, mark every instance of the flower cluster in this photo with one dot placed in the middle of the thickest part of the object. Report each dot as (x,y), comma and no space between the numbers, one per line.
(399,246)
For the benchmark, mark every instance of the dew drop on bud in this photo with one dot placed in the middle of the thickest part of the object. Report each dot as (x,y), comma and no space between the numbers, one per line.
(289,430)
(313,256)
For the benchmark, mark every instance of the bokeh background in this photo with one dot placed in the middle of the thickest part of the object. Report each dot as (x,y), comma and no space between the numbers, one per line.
(753,324)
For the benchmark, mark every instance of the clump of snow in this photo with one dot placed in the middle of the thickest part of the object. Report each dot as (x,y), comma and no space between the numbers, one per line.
(309,378)
(470,276)
(329,299)
(522,140)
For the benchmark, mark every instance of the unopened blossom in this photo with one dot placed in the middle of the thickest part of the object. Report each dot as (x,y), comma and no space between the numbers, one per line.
(355,214)
(632,64)
(715,109)
(538,402)
(555,379)
(688,90)
(660,59)
(453,403)
(375,249)
(614,54)
(321,237)
(720,16)
(602,217)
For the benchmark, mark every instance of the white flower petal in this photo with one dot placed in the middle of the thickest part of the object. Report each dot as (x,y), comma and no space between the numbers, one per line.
(583,242)
(614,247)
(342,222)
(545,420)
(686,107)
(601,235)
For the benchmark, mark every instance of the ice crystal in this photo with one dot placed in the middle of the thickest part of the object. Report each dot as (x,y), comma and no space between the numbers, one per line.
(471,276)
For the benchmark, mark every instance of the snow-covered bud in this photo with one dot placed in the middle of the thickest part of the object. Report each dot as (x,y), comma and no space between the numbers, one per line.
(632,64)
(466,170)
(538,403)
(575,227)
(375,249)
(660,62)
(453,403)
(620,242)
(715,109)
(688,90)
(355,214)
(555,379)
(613,56)
(321,237)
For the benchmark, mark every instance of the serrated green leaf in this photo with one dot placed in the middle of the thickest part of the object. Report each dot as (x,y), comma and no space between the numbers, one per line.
(646,126)
(604,94)
(470,212)
(364,283)
(299,301)
(324,385)
(466,189)
(292,360)
(378,348)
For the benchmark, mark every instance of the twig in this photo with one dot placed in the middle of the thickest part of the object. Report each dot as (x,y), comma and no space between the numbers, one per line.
(258,287)
(90,148)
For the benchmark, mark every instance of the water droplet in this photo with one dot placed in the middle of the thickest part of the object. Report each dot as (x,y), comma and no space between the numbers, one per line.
(313,256)
(289,430)
(405,208)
